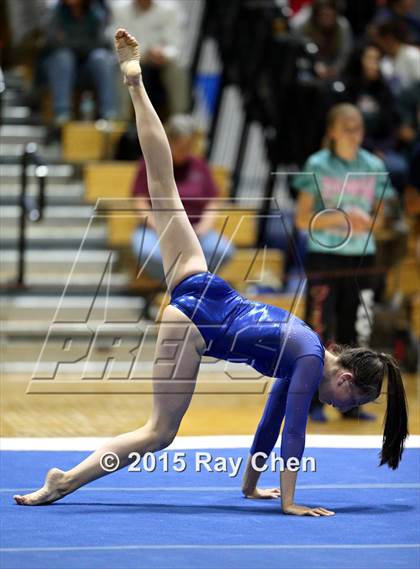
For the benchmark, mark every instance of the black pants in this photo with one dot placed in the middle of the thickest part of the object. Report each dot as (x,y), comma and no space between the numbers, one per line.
(339,298)
(155,89)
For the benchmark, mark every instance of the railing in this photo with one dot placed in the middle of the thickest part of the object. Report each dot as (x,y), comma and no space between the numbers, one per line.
(31,209)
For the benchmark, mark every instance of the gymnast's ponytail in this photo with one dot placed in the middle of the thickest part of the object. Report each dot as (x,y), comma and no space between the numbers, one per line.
(369,369)
(396,419)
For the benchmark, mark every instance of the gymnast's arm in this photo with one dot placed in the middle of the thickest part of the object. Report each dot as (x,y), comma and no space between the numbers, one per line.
(294,399)
(265,438)
(305,380)
(295,405)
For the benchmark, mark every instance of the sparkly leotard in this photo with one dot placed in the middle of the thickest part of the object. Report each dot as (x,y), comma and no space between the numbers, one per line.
(271,340)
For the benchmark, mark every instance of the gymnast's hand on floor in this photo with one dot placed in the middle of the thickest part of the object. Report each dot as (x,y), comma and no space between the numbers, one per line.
(296,510)
(263,493)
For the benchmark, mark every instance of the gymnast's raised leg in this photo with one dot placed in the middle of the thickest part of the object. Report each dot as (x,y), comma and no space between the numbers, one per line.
(173,383)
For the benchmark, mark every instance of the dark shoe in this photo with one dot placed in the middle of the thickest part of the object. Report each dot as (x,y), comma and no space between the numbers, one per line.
(317,414)
(358,414)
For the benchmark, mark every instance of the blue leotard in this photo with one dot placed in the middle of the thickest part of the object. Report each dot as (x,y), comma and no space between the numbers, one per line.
(271,340)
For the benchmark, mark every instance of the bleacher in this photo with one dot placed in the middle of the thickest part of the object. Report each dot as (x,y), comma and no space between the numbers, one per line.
(263,65)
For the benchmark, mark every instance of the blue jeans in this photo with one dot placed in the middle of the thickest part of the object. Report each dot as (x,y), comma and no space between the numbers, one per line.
(64,70)
(146,249)
(398,169)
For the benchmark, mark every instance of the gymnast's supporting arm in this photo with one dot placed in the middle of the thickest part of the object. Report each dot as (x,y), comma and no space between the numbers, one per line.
(265,438)
(292,401)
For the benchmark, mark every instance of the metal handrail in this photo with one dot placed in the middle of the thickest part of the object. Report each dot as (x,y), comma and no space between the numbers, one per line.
(30,209)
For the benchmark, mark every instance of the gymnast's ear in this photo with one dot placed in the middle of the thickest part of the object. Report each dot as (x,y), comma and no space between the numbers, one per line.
(345,375)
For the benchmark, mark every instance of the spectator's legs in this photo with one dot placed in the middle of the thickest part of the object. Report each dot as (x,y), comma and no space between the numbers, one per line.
(153,83)
(176,82)
(217,250)
(321,297)
(100,68)
(60,69)
(321,294)
(147,251)
(397,167)
(355,313)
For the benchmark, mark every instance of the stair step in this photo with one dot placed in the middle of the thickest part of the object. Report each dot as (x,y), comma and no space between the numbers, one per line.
(80,302)
(56,261)
(31,329)
(52,214)
(65,243)
(91,280)
(13,112)
(67,309)
(56,193)
(46,289)
(10,173)
(40,230)
(11,152)
(21,134)
(12,96)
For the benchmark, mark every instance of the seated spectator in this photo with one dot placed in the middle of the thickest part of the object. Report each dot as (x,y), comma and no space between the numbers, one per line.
(332,35)
(158,26)
(198,193)
(77,50)
(367,89)
(401,11)
(401,64)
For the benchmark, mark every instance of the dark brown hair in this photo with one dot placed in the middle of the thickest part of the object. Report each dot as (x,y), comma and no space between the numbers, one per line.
(369,369)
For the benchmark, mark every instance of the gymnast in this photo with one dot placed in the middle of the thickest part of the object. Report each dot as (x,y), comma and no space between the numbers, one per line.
(209,316)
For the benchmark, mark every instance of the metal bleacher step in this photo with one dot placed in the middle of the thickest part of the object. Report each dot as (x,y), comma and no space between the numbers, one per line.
(58,308)
(21,134)
(65,215)
(20,115)
(11,152)
(16,112)
(15,330)
(57,193)
(10,173)
(55,236)
(61,279)
(57,260)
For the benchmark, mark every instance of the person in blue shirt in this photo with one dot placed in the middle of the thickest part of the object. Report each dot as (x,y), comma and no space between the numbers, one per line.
(207,316)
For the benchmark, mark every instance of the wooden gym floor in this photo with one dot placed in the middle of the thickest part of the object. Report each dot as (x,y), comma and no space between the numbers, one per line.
(102,414)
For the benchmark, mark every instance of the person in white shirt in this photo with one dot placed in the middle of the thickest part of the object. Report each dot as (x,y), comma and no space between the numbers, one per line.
(159,26)
(401,64)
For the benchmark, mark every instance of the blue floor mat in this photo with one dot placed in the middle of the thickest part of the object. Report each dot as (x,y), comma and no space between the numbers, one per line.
(173,520)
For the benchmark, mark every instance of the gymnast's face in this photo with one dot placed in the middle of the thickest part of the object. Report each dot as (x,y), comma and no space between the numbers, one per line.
(341,392)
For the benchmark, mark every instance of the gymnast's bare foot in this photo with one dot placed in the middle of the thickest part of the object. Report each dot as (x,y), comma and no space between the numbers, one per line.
(55,487)
(128,53)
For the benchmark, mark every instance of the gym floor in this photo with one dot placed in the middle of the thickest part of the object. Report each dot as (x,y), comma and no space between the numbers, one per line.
(172,519)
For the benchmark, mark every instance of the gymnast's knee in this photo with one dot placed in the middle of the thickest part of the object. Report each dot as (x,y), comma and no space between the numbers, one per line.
(163,435)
